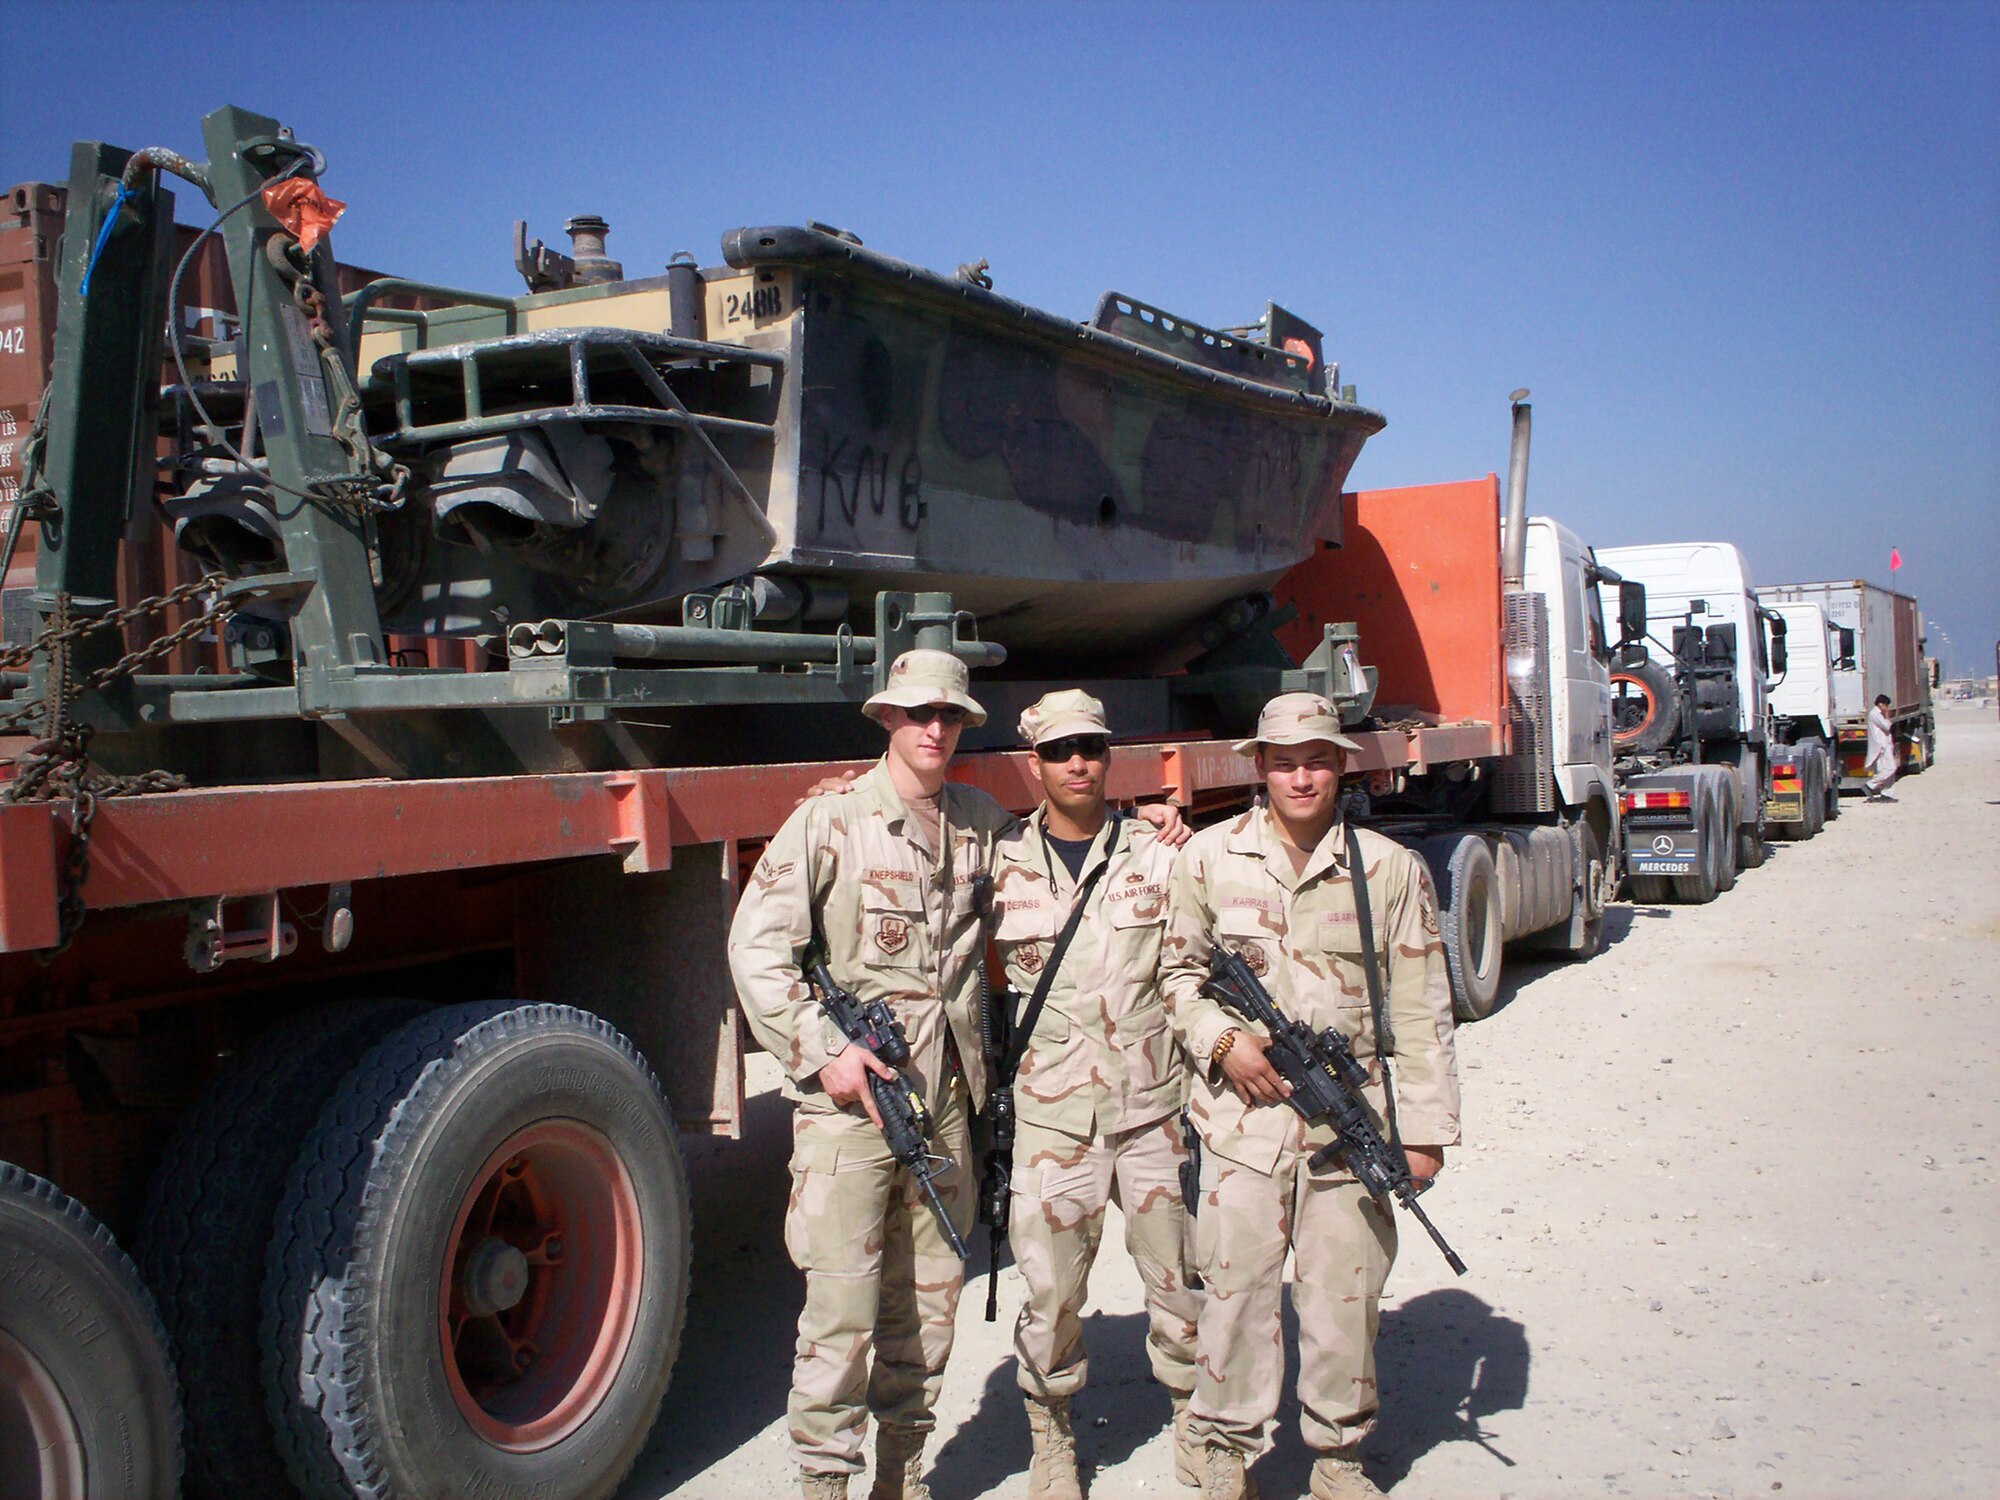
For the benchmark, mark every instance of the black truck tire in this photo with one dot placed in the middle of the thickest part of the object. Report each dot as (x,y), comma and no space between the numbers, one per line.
(481,1269)
(1833,775)
(1644,712)
(1728,839)
(1703,884)
(1750,851)
(1650,890)
(1469,926)
(208,1224)
(1815,792)
(88,1400)
(1580,935)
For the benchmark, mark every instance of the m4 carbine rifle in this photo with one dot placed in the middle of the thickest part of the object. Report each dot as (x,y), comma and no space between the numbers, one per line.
(905,1122)
(996,1046)
(1327,1080)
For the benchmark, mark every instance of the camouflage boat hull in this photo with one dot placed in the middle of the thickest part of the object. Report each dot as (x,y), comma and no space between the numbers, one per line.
(1086,490)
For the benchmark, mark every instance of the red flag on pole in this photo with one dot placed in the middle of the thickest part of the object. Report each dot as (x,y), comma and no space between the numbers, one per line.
(1895,559)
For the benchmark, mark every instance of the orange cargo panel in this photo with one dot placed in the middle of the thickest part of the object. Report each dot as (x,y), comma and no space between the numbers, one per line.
(1419,574)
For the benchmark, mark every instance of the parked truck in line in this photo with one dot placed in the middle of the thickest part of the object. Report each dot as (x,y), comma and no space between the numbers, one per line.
(1881,641)
(408,681)
(1804,794)
(1521,846)
(1691,707)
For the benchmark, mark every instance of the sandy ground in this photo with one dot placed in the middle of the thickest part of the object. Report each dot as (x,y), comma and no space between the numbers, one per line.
(1728,1199)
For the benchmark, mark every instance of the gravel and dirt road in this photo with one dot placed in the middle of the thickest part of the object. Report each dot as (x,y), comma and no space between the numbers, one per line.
(1728,1200)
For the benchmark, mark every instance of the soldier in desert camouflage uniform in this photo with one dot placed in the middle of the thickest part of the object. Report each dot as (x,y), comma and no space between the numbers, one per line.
(1275,885)
(1100,1083)
(885,874)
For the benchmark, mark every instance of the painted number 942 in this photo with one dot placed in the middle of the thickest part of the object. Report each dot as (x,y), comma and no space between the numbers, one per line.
(14,340)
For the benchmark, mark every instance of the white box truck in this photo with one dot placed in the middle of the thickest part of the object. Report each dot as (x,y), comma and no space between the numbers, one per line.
(1880,651)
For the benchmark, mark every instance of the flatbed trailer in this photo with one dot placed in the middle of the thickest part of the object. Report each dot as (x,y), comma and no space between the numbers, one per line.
(381,1075)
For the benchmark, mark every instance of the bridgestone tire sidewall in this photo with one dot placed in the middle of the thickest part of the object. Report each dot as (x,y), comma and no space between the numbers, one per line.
(386,1407)
(74,1300)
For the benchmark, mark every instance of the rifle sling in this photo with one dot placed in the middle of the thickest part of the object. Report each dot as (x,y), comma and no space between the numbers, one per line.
(1024,1030)
(1385,1040)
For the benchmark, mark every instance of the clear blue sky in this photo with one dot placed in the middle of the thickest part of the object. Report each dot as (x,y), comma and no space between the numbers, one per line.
(1747,256)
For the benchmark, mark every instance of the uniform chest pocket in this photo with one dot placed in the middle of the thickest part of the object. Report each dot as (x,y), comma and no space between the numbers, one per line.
(1252,935)
(1142,906)
(895,934)
(1340,934)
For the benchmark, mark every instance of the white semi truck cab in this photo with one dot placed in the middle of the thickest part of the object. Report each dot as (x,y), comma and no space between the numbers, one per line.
(1805,770)
(1692,719)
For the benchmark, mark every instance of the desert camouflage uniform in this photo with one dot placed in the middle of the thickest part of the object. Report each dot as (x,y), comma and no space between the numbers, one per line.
(1097,1100)
(1300,936)
(902,927)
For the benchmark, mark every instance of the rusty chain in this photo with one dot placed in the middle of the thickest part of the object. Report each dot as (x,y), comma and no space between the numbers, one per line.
(57,766)
(69,634)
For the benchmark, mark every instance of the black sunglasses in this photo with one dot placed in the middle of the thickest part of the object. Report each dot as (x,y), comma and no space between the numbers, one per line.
(1089,746)
(949,714)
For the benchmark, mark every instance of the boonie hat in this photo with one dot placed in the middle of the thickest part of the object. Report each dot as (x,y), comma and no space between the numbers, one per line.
(1296,719)
(1057,716)
(924,676)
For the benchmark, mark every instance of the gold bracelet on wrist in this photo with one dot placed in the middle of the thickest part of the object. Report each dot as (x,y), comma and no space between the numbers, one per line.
(1222,1045)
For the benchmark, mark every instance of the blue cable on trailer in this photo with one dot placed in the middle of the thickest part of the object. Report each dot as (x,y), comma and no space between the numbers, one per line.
(103,235)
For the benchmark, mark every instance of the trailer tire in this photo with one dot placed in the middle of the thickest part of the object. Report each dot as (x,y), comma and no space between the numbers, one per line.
(1644,715)
(481,1269)
(1832,788)
(208,1223)
(1469,925)
(88,1400)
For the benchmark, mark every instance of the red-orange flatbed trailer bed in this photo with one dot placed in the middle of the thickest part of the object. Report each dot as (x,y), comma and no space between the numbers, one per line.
(231,842)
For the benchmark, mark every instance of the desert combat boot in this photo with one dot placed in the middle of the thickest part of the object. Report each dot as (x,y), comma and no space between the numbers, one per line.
(814,1485)
(899,1465)
(1337,1476)
(1187,1457)
(1226,1475)
(1052,1471)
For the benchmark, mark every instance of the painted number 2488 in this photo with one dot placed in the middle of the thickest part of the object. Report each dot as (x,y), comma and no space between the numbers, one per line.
(763,302)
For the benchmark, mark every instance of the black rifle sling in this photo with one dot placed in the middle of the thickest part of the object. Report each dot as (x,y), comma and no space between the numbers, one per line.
(1025,1029)
(1385,1039)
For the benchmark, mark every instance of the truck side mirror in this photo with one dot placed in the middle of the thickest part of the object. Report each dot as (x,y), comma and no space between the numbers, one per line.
(1778,651)
(1846,661)
(1631,611)
(1937,672)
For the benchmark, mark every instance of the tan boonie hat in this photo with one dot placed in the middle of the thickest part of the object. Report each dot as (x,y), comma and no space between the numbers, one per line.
(1297,719)
(921,677)
(1057,716)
